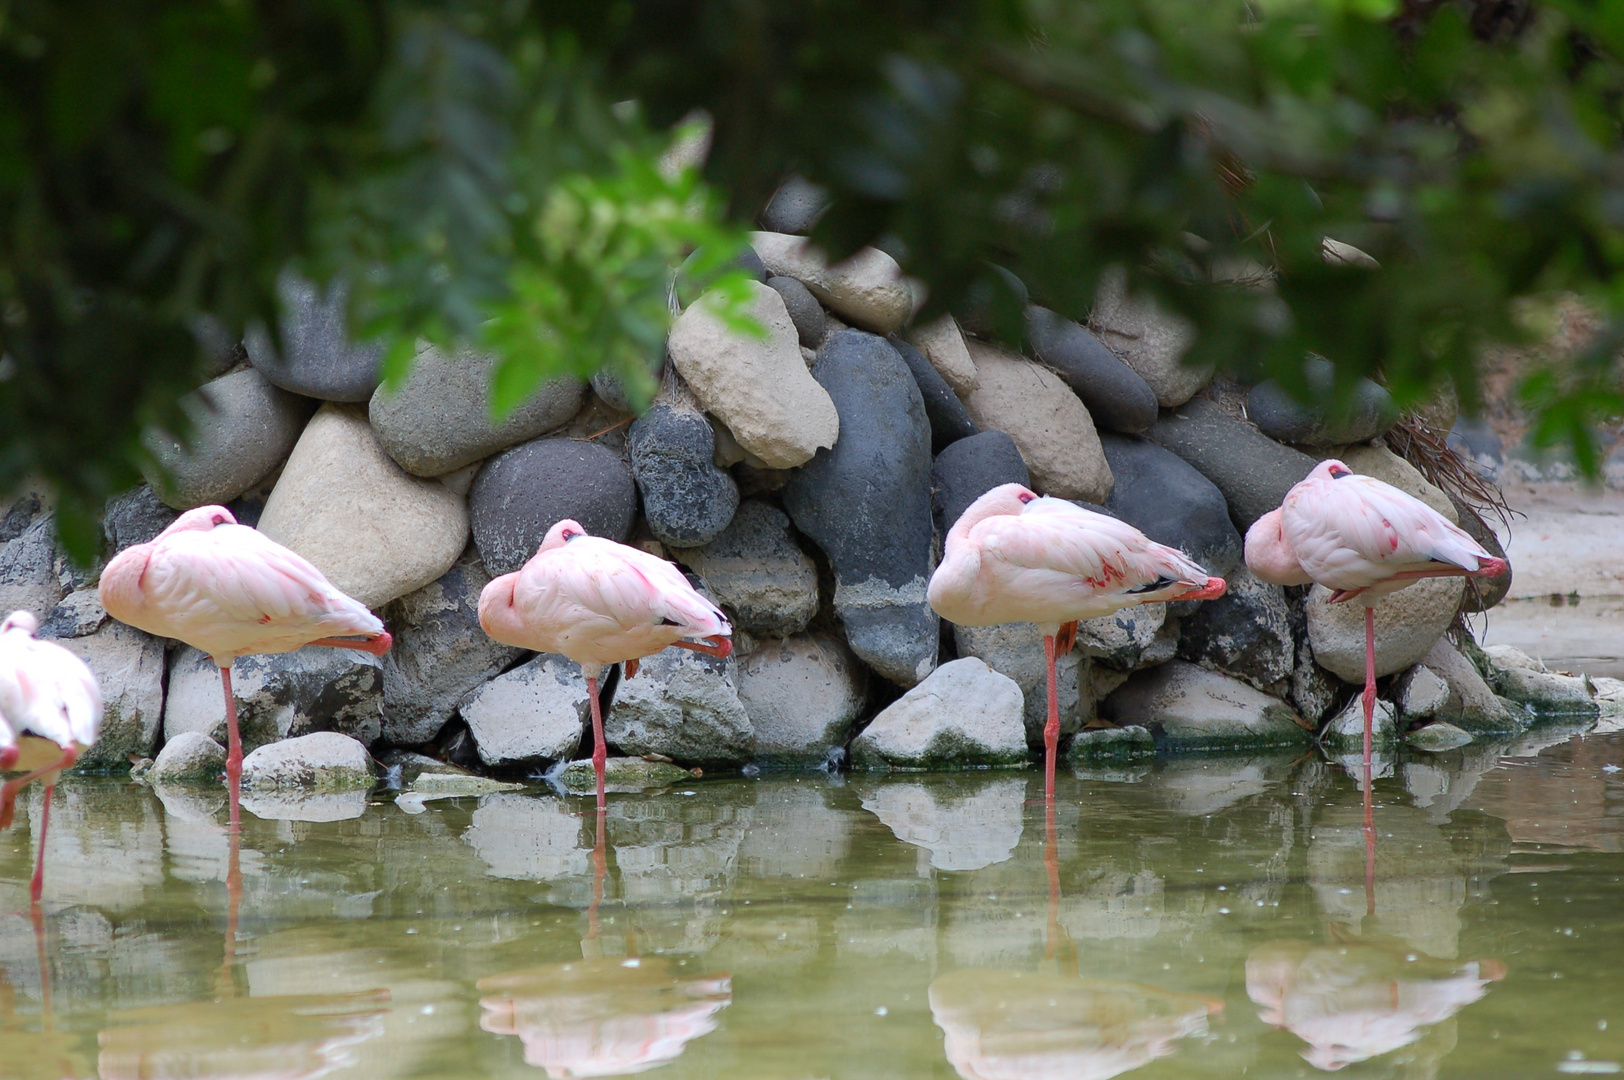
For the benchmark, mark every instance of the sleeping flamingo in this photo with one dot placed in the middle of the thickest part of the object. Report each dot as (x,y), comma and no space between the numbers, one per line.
(599,603)
(50,709)
(1015,556)
(232,591)
(1361,538)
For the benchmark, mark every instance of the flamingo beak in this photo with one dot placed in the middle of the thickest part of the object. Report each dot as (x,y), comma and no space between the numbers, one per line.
(1212,590)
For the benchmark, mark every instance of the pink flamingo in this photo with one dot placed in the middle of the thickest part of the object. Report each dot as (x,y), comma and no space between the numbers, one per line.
(50,709)
(1015,556)
(599,603)
(1361,538)
(232,591)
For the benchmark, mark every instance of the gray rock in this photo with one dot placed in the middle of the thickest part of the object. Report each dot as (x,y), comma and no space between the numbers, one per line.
(1252,470)
(624,775)
(612,392)
(521,493)
(1407,623)
(1419,693)
(802,694)
(25,508)
(1247,632)
(1474,440)
(685,706)
(278,695)
(866,503)
(440,654)
(1149,340)
(949,422)
(317,358)
(687,500)
(1319,421)
(189,757)
(242,428)
(795,207)
(323,762)
(129,668)
(1167,499)
(758,573)
(1472,706)
(440,420)
(866,290)
(1524,680)
(28,570)
(1345,734)
(811,325)
(963,715)
(531,714)
(1128,639)
(135,517)
(1015,650)
(80,613)
(1437,737)
(1191,708)
(1130,743)
(1118,399)
(1314,691)
(968,469)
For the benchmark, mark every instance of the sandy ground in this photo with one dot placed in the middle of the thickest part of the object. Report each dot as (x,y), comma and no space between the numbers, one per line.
(1566,604)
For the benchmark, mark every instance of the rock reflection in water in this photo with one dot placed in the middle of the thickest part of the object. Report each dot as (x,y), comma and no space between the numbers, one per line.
(1358,1001)
(1008,1025)
(968,824)
(602,1017)
(266,1038)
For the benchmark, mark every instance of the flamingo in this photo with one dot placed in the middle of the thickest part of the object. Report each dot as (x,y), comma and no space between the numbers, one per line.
(599,603)
(231,591)
(1016,556)
(50,709)
(1362,539)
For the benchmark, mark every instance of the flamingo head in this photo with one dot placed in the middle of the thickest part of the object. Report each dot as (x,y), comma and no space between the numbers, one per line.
(201,519)
(562,533)
(1329,469)
(1003,500)
(20,620)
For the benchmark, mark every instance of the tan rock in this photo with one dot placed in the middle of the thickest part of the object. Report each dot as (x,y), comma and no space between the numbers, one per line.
(1384,465)
(1050,426)
(1148,339)
(867,290)
(942,342)
(1408,622)
(374,530)
(759,388)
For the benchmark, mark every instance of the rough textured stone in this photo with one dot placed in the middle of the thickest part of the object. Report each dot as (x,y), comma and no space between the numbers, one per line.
(1252,470)
(1118,399)
(80,613)
(531,714)
(1280,415)
(23,506)
(316,358)
(1472,706)
(963,715)
(521,493)
(1131,638)
(949,421)
(440,420)
(1112,744)
(758,573)
(28,570)
(242,428)
(1437,737)
(135,517)
(1345,733)
(795,207)
(866,503)
(1384,465)
(278,695)
(1167,499)
(758,388)
(687,500)
(943,344)
(966,823)
(802,695)
(623,775)
(1420,693)
(1149,340)
(1047,421)
(1482,593)
(684,705)
(375,531)
(325,761)
(867,290)
(1015,650)
(1522,679)
(804,310)
(1407,623)
(968,469)
(1246,633)
(129,668)
(190,756)
(440,653)
(1191,708)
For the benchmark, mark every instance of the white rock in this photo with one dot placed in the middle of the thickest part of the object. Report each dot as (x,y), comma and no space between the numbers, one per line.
(524,838)
(279,804)
(278,695)
(532,712)
(1192,708)
(867,290)
(188,756)
(1407,624)
(1016,650)
(760,389)
(968,823)
(129,668)
(1346,731)
(1050,425)
(1149,340)
(942,342)
(1472,706)
(376,531)
(682,705)
(1437,737)
(802,695)
(963,714)
(325,761)
(1421,693)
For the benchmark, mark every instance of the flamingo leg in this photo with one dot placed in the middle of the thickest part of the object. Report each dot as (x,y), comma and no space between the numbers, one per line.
(1369,695)
(377,646)
(36,887)
(600,752)
(1051,730)
(720,647)
(9,790)
(234,746)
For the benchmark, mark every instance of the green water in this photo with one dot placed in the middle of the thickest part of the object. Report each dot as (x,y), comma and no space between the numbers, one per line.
(1212,918)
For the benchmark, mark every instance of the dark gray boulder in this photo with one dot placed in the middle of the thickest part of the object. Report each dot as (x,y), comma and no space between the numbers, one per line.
(866,502)
(1280,415)
(687,500)
(278,695)
(521,493)
(1252,470)
(970,468)
(1246,633)
(949,420)
(1118,398)
(316,358)
(1164,497)
(135,517)
(811,324)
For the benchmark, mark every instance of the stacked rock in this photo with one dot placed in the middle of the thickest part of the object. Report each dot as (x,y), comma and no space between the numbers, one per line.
(805,477)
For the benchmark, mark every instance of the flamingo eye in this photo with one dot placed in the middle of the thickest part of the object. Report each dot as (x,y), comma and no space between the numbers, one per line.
(568,535)
(1338,473)
(219,519)
(1025,497)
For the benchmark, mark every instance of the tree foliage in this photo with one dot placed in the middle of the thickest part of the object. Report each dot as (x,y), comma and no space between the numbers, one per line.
(490,171)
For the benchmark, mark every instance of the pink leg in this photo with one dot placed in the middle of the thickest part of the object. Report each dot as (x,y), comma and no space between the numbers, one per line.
(9,790)
(234,747)
(36,888)
(716,646)
(600,867)
(600,752)
(1370,679)
(1051,730)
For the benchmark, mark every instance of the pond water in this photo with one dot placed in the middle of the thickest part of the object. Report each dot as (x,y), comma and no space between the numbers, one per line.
(1191,917)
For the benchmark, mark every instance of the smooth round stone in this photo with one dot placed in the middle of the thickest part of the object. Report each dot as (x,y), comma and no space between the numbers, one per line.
(316,358)
(1164,497)
(1280,415)
(1408,623)
(1149,340)
(795,207)
(994,301)
(942,342)
(687,500)
(1252,470)
(690,283)
(964,715)
(521,493)
(1117,397)
(949,420)
(866,290)
(968,469)
(325,761)
(811,324)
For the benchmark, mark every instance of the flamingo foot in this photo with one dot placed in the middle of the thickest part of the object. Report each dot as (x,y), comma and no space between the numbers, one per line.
(628,668)
(377,646)
(717,646)
(8,758)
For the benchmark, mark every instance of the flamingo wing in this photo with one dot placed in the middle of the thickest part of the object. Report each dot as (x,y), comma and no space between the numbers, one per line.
(46,690)
(1358,526)
(1101,551)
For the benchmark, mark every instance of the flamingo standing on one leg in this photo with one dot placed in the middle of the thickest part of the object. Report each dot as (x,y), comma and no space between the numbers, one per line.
(50,708)
(1015,556)
(599,603)
(232,591)
(1361,538)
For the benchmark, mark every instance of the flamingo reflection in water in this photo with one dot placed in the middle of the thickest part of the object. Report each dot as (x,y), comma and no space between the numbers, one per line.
(1359,1000)
(43,1054)
(602,1016)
